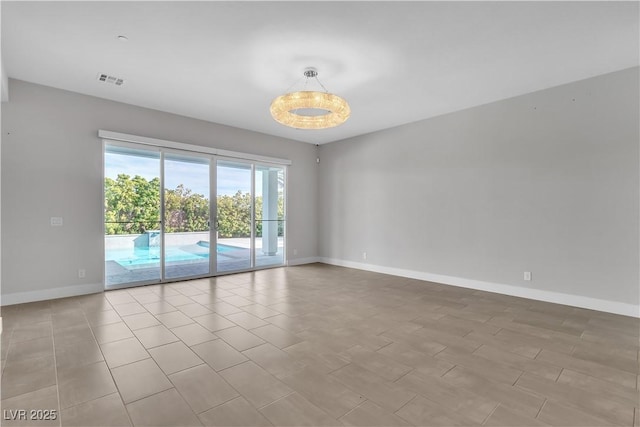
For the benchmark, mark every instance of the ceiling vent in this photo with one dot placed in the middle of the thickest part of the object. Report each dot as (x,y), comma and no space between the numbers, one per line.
(110,79)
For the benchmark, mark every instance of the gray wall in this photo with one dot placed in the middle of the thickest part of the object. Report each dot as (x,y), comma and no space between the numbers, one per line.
(546,182)
(52,166)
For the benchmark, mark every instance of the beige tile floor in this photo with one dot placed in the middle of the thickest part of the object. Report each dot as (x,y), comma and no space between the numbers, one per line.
(316,345)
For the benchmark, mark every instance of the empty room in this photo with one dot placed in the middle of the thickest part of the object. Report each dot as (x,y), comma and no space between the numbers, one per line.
(324,213)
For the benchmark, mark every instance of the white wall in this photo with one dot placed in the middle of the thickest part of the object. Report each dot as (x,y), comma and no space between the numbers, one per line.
(4,97)
(4,83)
(546,182)
(52,166)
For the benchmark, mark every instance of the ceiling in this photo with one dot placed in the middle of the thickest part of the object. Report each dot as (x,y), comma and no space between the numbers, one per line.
(394,62)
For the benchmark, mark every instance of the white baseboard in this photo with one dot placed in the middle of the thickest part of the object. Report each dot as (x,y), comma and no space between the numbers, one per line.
(534,294)
(46,294)
(300,261)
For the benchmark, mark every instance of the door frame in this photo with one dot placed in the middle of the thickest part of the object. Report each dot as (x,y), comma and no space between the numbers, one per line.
(204,152)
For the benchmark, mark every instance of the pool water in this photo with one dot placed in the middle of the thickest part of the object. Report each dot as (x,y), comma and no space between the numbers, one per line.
(139,256)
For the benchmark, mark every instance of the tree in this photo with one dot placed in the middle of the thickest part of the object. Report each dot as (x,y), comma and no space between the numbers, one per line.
(185,211)
(132,204)
(234,215)
(133,207)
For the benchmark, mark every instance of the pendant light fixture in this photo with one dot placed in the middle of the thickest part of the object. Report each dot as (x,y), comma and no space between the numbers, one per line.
(287,109)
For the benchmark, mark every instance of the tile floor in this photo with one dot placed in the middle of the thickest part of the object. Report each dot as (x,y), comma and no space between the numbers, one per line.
(316,345)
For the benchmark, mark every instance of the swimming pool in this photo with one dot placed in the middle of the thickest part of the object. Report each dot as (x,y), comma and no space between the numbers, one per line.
(144,255)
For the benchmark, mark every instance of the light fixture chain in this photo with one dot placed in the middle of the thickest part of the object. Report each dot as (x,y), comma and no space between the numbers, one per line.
(325,89)
(289,88)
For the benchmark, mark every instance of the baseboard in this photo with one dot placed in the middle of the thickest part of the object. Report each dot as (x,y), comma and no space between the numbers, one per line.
(516,291)
(300,261)
(46,294)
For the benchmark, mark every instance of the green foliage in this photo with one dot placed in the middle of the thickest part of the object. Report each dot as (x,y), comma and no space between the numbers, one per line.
(185,211)
(133,206)
(234,215)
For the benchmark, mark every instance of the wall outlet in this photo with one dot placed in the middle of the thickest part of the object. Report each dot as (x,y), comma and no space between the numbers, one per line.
(82,273)
(527,275)
(295,252)
(364,255)
(56,221)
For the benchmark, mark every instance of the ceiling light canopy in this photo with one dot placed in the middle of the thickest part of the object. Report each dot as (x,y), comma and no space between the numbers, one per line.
(333,110)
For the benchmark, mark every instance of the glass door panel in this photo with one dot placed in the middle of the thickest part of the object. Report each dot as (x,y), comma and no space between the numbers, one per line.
(186,216)
(158,215)
(269,213)
(233,215)
(132,216)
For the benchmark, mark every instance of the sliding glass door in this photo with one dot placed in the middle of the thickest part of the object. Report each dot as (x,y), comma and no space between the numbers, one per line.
(186,216)
(234,216)
(132,241)
(269,211)
(172,215)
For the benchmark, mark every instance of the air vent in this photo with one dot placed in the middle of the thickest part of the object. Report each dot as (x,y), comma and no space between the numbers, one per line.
(110,79)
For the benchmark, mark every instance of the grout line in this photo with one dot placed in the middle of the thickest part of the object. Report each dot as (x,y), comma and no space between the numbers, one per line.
(182,370)
(229,367)
(9,342)
(478,348)
(125,364)
(537,354)
(55,367)
(514,383)
(278,400)
(449,370)
(335,370)
(490,414)
(403,375)
(409,401)
(197,414)
(144,397)
(384,346)
(105,360)
(438,352)
(215,406)
(355,407)
(541,406)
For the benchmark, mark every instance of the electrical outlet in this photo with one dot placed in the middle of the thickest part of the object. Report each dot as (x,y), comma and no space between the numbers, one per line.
(364,255)
(527,275)
(56,221)
(295,252)
(82,273)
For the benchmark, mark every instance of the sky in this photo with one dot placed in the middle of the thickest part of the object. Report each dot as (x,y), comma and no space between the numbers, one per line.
(192,175)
